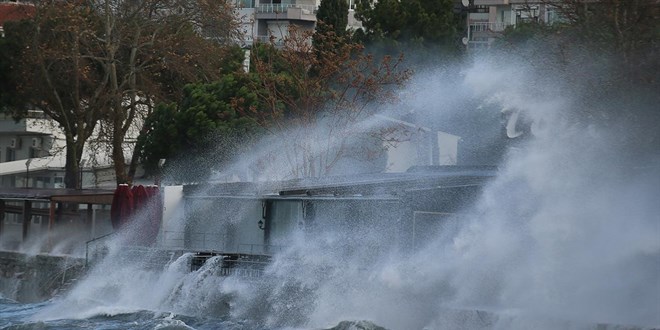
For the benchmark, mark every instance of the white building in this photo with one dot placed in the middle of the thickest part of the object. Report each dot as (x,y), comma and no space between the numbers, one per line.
(265,18)
(33,155)
(417,145)
(487,19)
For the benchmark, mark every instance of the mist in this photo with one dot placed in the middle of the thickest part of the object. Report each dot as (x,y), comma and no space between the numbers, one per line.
(566,236)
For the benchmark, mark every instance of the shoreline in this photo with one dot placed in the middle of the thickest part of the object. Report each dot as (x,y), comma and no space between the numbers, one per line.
(30,278)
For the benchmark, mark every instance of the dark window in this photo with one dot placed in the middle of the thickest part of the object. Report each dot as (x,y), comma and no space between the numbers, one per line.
(11,155)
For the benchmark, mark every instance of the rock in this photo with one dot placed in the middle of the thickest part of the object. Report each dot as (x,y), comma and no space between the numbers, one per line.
(356,325)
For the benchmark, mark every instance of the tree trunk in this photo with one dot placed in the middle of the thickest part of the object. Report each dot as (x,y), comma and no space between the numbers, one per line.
(118,155)
(71,168)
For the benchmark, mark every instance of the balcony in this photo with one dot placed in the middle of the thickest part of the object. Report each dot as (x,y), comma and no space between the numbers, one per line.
(277,42)
(481,34)
(489,27)
(290,11)
(490,2)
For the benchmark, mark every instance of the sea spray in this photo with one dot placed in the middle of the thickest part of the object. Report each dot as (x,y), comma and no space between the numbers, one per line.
(565,237)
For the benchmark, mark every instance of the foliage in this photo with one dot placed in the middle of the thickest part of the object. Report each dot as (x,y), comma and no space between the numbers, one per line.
(111,61)
(321,94)
(606,51)
(625,34)
(523,33)
(628,30)
(9,54)
(331,22)
(429,25)
(205,129)
(334,16)
(53,73)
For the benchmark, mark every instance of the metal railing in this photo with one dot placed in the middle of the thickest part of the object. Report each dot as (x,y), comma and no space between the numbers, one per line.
(213,242)
(230,264)
(192,240)
(266,40)
(259,248)
(96,241)
(488,26)
(282,8)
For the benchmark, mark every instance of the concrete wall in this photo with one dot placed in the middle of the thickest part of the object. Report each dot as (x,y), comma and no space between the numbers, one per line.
(33,278)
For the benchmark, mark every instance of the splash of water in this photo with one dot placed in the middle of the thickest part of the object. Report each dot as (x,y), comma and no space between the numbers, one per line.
(565,237)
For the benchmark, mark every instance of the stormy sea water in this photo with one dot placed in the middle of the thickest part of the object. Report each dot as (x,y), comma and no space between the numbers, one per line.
(566,236)
(17,316)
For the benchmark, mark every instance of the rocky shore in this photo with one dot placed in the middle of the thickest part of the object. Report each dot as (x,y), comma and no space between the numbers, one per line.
(32,278)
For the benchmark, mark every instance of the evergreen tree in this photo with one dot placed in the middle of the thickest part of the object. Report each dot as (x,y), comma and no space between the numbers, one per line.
(203,130)
(427,26)
(334,16)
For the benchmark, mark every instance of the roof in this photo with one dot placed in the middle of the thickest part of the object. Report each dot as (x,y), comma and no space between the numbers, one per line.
(35,164)
(375,184)
(80,196)
(12,11)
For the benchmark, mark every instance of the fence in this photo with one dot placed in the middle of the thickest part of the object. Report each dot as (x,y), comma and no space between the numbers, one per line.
(282,8)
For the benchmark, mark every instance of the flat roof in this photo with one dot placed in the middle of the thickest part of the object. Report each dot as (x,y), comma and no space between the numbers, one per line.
(362,185)
(80,196)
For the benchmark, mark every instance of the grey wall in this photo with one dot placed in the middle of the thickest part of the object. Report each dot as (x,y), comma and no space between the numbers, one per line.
(34,278)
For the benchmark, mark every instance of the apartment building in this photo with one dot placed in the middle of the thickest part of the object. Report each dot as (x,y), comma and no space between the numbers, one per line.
(263,19)
(487,19)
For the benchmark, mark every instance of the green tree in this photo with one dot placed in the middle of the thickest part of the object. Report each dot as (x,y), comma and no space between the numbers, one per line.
(334,16)
(9,54)
(206,128)
(423,24)
(332,19)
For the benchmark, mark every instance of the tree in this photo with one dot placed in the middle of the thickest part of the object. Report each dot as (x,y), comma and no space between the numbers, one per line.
(111,61)
(334,15)
(331,22)
(321,95)
(625,34)
(605,55)
(150,49)
(55,75)
(630,30)
(203,130)
(9,54)
(427,25)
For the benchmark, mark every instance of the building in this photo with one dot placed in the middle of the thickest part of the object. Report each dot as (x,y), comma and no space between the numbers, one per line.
(14,10)
(263,19)
(32,159)
(487,19)
(417,145)
(260,218)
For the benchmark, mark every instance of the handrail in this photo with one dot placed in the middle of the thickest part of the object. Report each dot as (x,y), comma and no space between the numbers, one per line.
(281,8)
(94,240)
(488,26)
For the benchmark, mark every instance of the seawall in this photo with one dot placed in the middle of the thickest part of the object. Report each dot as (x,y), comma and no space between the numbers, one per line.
(33,278)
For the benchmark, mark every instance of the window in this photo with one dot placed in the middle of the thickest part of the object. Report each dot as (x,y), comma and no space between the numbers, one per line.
(481,9)
(58,182)
(527,14)
(34,152)
(11,155)
(554,16)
